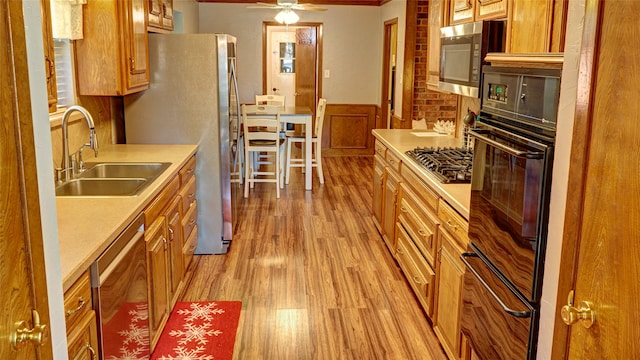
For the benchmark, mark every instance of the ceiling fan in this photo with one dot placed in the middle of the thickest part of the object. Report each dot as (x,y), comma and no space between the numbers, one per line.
(286,14)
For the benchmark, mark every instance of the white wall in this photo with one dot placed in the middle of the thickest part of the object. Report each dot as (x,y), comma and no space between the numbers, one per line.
(44,165)
(566,112)
(352,46)
(189,10)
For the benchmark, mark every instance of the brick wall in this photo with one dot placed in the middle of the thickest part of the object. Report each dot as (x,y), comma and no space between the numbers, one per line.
(427,104)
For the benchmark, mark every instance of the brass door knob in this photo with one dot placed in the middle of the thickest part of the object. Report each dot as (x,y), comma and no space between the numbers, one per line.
(571,314)
(22,334)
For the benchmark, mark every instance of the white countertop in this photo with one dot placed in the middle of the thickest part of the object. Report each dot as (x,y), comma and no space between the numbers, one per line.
(87,226)
(401,140)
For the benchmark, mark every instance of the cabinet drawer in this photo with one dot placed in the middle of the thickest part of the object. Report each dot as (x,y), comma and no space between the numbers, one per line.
(188,194)
(161,201)
(381,149)
(189,220)
(419,274)
(190,247)
(420,223)
(77,301)
(429,196)
(82,343)
(393,161)
(187,171)
(454,223)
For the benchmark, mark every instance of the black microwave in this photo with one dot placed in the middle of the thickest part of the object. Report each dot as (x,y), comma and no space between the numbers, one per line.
(462,51)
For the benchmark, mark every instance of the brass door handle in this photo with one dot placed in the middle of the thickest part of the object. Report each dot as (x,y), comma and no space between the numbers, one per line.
(585,314)
(22,334)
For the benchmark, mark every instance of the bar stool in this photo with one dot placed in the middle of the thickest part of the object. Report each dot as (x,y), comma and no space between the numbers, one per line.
(316,139)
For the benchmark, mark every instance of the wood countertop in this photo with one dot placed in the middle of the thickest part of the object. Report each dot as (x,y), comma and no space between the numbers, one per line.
(401,140)
(88,225)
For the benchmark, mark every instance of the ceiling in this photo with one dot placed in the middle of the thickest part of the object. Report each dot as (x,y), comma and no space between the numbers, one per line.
(315,2)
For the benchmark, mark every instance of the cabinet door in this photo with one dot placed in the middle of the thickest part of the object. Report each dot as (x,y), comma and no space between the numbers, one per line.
(450,272)
(436,21)
(157,248)
(155,14)
(491,9)
(461,11)
(547,17)
(390,203)
(176,267)
(49,56)
(137,44)
(378,184)
(167,15)
(82,343)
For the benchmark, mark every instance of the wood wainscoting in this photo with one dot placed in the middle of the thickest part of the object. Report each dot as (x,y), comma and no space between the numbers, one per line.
(347,129)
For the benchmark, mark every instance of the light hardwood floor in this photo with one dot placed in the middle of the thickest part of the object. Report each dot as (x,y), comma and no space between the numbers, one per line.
(314,276)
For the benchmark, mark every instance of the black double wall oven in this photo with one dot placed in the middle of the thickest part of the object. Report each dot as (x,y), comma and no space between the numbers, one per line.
(508,215)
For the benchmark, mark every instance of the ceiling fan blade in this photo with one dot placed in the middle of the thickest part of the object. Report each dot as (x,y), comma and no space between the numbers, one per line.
(261,5)
(308,7)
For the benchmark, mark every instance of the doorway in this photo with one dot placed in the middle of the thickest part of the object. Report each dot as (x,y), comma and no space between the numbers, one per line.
(292,58)
(389,57)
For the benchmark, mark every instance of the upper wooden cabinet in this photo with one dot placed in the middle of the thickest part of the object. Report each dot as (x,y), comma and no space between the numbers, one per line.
(160,15)
(548,18)
(463,11)
(438,11)
(113,57)
(49,56)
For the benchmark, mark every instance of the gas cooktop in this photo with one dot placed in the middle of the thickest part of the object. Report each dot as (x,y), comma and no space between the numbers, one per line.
(449,165)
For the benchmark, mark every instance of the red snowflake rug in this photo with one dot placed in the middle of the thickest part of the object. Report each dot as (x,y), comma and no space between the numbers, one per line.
(199,331)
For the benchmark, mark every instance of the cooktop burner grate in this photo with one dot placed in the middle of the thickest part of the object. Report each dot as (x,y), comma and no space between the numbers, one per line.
(449,165)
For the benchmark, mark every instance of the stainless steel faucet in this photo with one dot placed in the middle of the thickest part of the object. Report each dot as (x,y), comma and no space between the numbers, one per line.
(68,169)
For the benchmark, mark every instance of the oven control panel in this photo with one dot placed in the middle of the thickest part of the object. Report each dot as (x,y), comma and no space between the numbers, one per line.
(498,92)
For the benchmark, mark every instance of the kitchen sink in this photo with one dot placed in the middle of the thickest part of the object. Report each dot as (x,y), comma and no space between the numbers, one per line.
(112,179)
(146,170)
(102,187)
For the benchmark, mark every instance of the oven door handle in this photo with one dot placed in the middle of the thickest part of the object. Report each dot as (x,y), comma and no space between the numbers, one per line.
(516,313)
(508,149)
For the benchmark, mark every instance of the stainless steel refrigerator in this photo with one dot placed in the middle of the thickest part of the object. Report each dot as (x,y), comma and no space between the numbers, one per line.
(193,99)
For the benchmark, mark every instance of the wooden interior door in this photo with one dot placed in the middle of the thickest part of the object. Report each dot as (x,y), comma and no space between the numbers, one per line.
(388,73)
(601,251)
(306,67)
(22,274)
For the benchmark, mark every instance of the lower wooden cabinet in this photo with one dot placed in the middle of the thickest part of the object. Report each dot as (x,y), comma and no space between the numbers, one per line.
(80,319)
(82,343)
(378,190)
(174,256)
(389,204)
(157,272)
(449,294)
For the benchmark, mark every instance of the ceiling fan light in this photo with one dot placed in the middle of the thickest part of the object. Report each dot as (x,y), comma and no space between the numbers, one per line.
(286,16)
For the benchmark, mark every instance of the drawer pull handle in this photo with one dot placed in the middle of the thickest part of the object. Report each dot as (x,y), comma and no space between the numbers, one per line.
(91,351)
(81,304)
(399,251)
(404,209)
(422,233)
(193,221)
(416,279)
(452,225)
(171,234)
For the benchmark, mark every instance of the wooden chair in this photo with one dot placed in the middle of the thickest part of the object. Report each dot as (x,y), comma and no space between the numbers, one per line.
(262,135)
(316,138)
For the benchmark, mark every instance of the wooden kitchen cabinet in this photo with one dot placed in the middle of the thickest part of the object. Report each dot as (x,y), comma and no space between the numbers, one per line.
(113,57)
(49,56)
(175,243)
(490,9)
(157,216)
(451,237)
(390,202)
(189,211)
(80,319)
(462,11)
(378,190)
(160,15)
(547,17)
(438,13)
